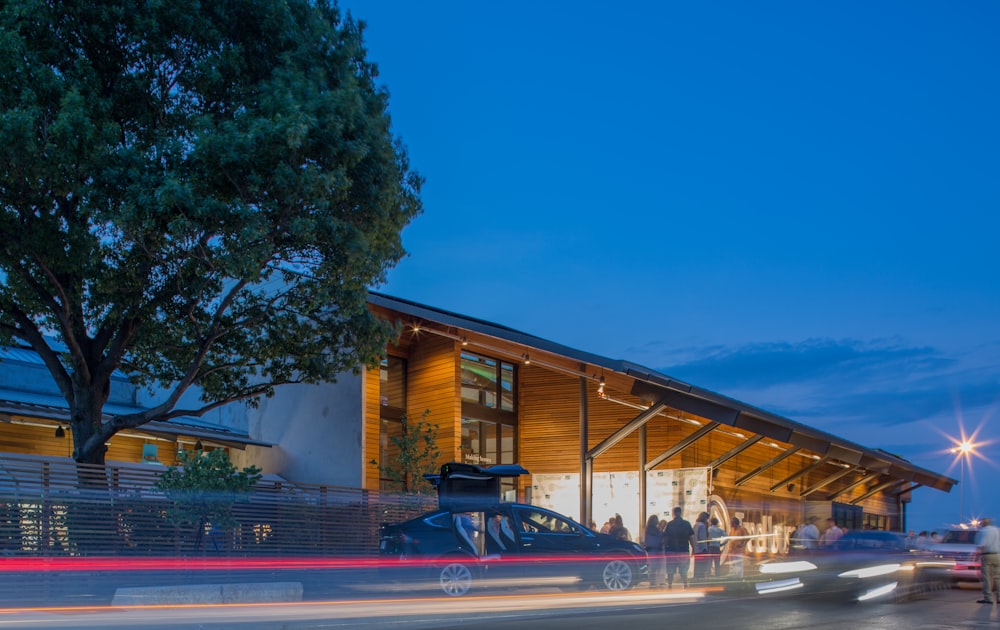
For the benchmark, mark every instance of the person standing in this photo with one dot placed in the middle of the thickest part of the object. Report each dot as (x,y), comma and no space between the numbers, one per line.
(618,530)
(701,559)
(606,528)
(832,533)
(737,547)
(809,535)
(715,537)
(678,540)
(653,540)
(988,542)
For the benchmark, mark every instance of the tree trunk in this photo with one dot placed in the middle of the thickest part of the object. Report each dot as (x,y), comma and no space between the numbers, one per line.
(91,520)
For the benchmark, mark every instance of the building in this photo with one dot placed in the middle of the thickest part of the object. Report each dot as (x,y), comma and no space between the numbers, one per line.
(600,436)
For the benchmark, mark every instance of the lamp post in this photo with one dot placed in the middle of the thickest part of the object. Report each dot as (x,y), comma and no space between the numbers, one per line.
(963,450)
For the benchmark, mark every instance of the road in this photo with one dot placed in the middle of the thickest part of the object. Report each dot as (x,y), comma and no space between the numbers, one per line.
(636,610)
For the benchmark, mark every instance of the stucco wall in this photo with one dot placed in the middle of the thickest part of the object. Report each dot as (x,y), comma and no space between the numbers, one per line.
(316,431)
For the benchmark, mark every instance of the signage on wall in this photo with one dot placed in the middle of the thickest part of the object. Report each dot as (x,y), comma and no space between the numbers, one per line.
(478,460)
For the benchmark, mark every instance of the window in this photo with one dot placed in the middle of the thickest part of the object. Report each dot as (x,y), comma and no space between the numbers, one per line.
(489,416)
(392,407)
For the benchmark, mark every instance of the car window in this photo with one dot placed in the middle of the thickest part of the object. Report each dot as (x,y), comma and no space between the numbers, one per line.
(960,537)
(872,541)
(542,522)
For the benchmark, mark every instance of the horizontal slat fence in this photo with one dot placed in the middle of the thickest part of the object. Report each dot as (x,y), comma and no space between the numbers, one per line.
(55,507)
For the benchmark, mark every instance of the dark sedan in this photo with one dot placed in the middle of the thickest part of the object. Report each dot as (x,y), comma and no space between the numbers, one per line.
(476,539)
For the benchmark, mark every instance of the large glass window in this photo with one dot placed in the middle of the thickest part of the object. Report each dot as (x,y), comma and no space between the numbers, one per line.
(487,382)
(489,414)
(392,406)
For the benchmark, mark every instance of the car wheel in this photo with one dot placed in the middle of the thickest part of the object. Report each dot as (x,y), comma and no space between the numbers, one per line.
(618,575)
(455,578)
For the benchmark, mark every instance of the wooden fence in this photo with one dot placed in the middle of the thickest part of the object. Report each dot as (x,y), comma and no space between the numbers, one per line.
(55,507)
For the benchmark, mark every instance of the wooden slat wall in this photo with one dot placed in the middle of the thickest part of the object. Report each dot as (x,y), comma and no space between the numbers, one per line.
(433,382)
(28,439)
(372,425)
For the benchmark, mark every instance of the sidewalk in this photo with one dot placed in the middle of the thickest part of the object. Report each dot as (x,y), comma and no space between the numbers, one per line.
(954,608)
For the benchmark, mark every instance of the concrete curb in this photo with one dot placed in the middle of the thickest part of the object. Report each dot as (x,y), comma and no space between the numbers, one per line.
(247,593)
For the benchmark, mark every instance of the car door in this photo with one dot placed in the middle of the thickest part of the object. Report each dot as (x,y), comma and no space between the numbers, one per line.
(551,544)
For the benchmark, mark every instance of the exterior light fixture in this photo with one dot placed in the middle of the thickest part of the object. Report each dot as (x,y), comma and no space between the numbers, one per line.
(60,431)
(198,446)
(600,387)
(465,341)
(527,359)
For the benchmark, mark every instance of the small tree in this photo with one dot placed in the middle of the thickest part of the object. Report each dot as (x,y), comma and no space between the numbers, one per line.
(416,454)
(204,488)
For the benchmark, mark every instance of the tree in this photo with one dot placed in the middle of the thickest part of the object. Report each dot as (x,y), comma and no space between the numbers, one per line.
(198,194)
(414,454)
(204,488)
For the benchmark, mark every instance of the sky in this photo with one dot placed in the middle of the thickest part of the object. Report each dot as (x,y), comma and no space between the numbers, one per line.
(793,204)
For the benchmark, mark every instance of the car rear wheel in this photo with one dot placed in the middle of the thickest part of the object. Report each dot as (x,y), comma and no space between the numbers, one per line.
(455,578)
(618,575)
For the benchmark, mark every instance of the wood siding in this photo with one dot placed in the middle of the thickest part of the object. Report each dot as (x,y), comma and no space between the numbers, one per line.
(30,439)
(372,426)
(434,385)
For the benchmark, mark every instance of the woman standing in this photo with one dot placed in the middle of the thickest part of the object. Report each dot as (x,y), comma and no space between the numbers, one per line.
(701,558)
(653,540)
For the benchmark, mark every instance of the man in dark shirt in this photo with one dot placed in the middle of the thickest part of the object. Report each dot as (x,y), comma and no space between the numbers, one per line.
(678,539)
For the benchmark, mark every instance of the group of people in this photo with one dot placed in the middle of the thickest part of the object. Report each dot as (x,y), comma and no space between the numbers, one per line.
(923,540)
(615,527)
(671,545)
(807,536)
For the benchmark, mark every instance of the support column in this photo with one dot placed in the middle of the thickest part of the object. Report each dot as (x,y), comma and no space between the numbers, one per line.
(586,469)
(640,535)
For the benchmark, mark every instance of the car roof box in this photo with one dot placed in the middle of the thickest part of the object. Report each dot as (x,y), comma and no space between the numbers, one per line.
(464,486)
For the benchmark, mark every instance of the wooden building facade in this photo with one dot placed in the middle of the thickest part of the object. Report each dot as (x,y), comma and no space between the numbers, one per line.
(619,437)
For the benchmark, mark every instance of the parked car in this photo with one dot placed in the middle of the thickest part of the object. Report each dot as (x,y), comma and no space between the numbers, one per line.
(959,546)
(861,566)
(475,538)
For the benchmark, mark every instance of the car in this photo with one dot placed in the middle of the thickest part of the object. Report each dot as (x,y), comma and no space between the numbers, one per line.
(959,546)
(862,565)
(475,538)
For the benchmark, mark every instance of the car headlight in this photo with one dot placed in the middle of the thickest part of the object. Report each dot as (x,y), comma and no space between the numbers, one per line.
(867,572)
(787,567)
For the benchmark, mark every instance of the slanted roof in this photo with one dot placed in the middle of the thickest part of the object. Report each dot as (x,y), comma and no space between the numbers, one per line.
(654,386)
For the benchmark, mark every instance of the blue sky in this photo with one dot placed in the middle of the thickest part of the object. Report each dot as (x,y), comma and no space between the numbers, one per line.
(790,203)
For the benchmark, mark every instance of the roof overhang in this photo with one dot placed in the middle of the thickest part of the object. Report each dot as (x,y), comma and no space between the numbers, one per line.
(168,430)
(657,389)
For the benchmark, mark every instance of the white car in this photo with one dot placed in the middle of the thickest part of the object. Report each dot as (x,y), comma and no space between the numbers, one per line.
(959,546)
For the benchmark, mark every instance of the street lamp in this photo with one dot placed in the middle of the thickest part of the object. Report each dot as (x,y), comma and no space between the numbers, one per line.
(964,449)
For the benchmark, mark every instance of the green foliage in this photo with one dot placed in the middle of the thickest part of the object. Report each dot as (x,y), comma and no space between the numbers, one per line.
(197,193)
(415,453)
(204,487)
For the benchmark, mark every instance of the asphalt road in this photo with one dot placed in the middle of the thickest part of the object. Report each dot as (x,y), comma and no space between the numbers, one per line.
(636,610)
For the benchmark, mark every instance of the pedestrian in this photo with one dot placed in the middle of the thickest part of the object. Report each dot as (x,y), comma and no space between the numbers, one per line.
(618,530)
(606,528)
(678,540)
(653,541)
(832,534)
(701,559)
(809,535)
(988,543)
(922,540)
(715,539)
(737,547)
